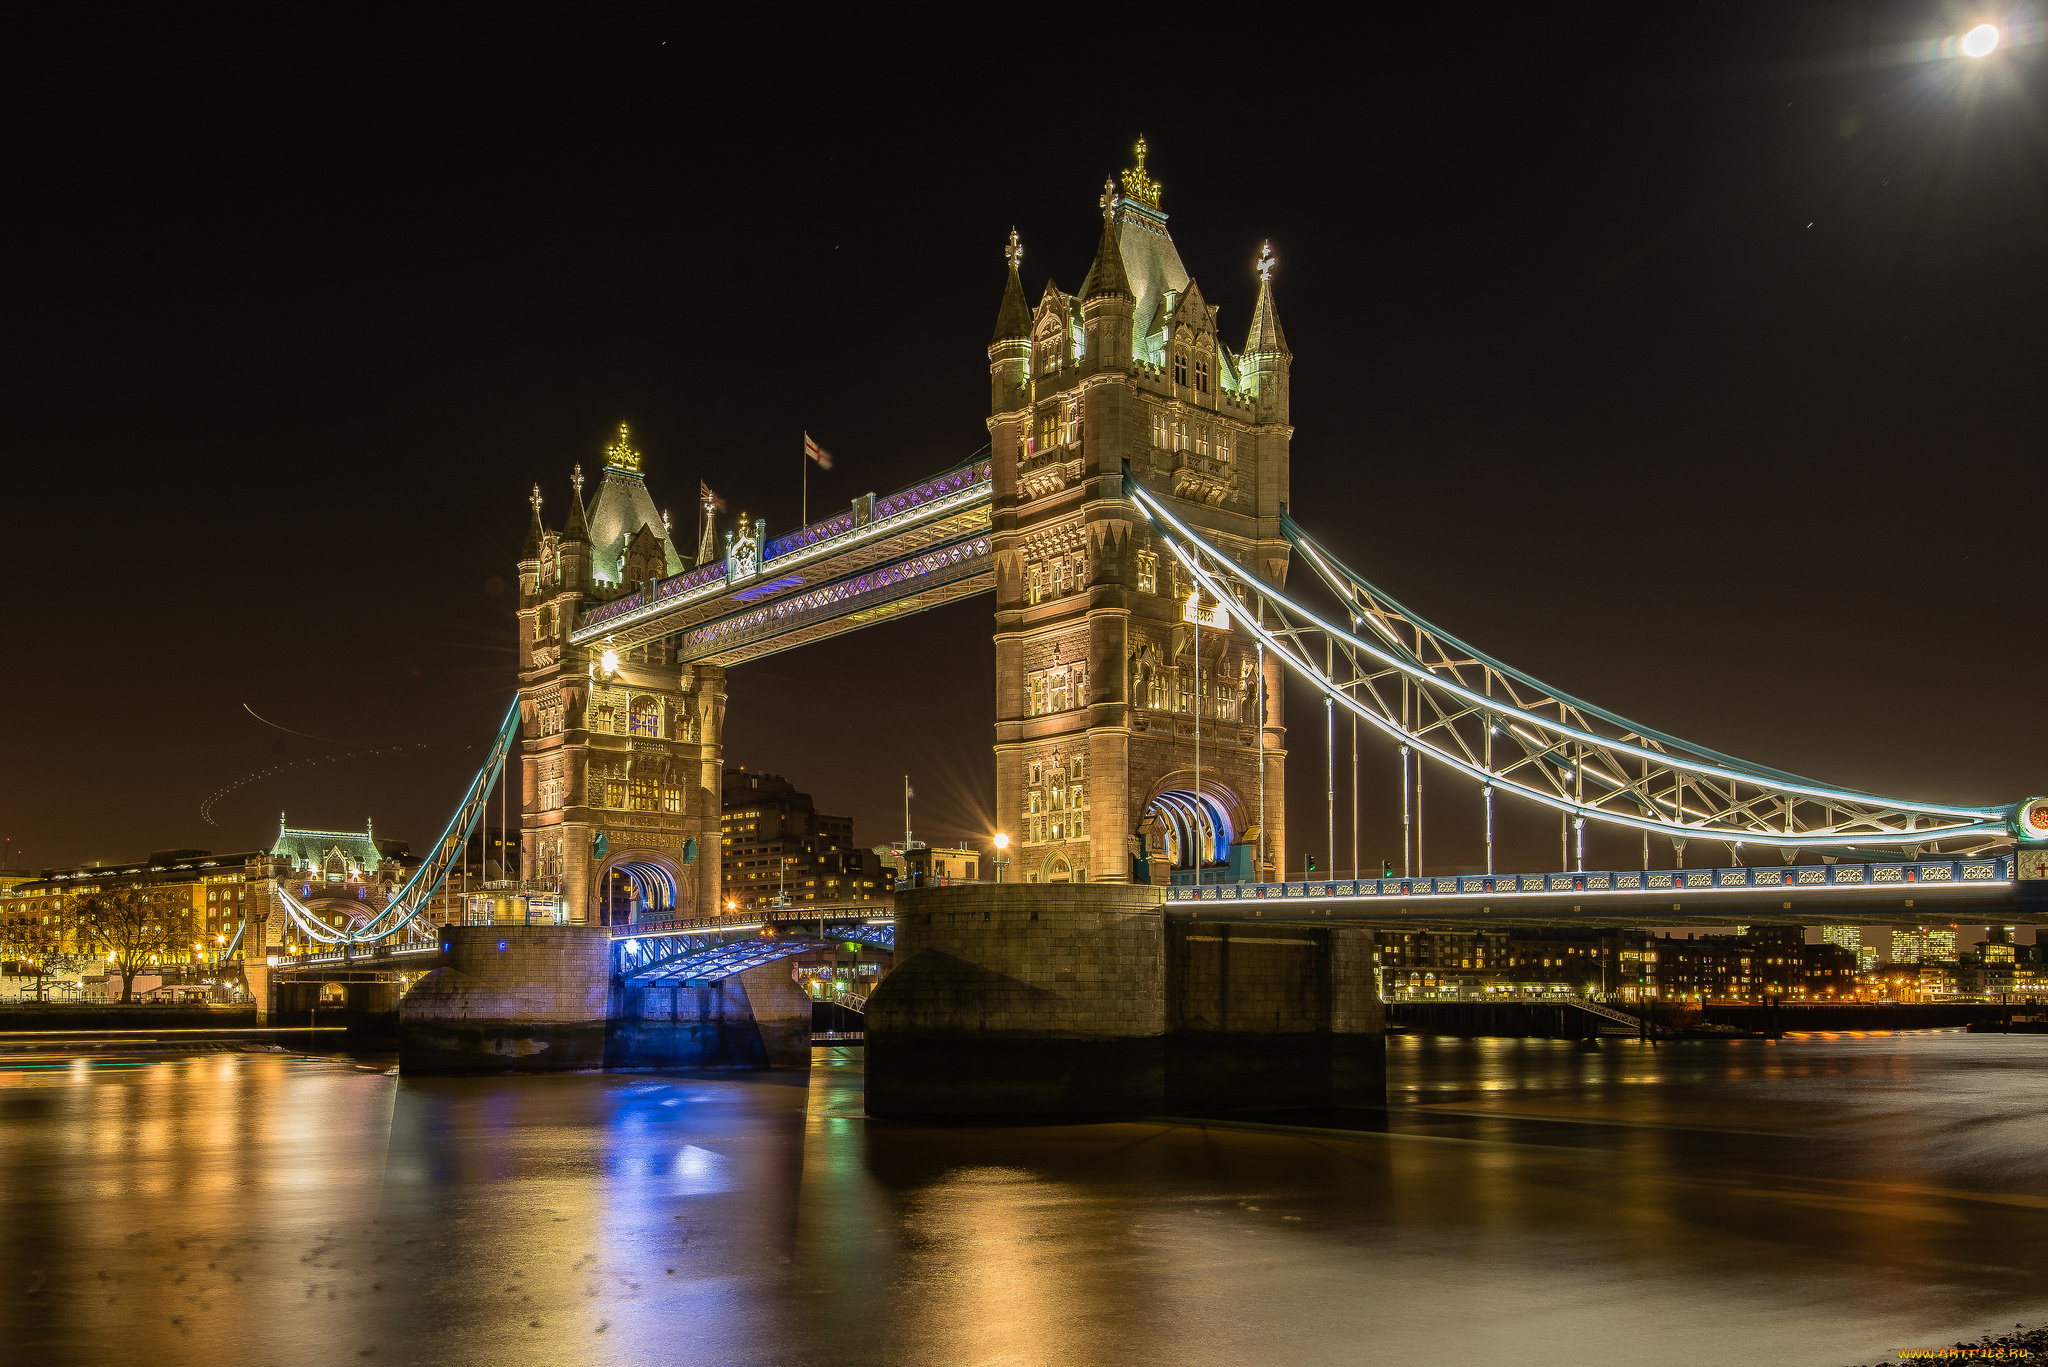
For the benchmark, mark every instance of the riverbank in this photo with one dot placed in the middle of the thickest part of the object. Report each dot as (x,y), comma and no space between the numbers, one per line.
(2023,1347)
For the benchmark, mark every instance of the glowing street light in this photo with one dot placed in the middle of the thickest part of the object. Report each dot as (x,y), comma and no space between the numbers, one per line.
(1980,41)
(1002,843)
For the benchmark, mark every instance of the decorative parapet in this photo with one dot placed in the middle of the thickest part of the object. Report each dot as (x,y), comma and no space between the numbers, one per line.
(1981,872)
(965,484)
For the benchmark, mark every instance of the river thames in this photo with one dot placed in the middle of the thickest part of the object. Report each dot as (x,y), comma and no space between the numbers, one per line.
(1824,1199)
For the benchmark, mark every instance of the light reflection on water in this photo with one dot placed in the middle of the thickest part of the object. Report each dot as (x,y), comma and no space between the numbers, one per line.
(1823,1200)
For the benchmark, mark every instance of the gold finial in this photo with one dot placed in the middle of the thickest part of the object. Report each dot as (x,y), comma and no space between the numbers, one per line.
(1266,262)
(1109,197)
(576,478)
(536,500)
(1138,185)
(620,455)
(1014,253)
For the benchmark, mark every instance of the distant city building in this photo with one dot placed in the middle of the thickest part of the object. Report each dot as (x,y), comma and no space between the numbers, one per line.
(1923,944)
(340,878)
(936,865)
(1848,937)
(205,890)
(1768,963)
(1999,967)
(775,842)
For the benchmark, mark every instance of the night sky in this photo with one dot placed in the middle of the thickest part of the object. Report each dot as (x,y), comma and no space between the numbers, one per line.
(1687,356)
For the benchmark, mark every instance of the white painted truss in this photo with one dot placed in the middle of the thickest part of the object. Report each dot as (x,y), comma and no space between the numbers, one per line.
(1512,733)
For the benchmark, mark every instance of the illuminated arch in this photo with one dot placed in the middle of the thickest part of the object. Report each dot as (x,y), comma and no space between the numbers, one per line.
(1196,827)
(660,892)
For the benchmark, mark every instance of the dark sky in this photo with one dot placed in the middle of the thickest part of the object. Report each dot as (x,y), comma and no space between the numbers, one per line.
(1687,355)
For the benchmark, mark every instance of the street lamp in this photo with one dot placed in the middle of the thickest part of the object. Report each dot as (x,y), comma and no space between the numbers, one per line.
(1980,41)
(1002,843)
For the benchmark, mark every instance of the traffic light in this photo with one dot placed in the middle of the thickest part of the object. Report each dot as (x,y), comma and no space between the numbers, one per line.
(1311,862)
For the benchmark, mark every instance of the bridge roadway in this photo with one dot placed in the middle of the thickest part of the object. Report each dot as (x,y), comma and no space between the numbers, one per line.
(1967,891)
(907,552)
(710,950)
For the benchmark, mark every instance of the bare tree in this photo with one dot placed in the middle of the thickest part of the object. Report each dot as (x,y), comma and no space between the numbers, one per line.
(30,942)
(130,928)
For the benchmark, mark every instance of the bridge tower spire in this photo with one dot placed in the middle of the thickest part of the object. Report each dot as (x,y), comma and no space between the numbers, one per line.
(1102,674)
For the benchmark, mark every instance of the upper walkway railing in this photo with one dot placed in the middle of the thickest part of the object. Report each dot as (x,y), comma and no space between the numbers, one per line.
(940,496)
(877,913)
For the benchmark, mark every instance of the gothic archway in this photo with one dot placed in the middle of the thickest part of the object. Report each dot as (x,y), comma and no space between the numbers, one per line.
(631,886)
(1189,829)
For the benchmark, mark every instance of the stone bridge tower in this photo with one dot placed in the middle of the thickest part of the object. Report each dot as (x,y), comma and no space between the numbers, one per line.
(620,752)
(1101,693)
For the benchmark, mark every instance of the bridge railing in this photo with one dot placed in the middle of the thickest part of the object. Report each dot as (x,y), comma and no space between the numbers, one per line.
(967,483)
(840,911)
(1932,873)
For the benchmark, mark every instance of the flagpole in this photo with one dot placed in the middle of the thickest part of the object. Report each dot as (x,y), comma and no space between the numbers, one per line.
(806,505)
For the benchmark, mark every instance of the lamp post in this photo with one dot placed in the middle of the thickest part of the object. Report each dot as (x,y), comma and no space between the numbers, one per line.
(1002,843)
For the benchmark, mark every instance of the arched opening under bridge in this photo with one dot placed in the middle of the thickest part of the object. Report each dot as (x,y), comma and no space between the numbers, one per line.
(1188,830)
(636,886)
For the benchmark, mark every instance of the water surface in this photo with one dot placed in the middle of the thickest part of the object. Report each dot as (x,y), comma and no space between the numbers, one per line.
(1819,1200)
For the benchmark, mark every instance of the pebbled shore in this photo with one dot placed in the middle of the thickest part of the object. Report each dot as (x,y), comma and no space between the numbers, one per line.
(2023,1347)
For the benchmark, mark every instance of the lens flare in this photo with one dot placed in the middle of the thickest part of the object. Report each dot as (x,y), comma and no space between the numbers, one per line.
(1980,41)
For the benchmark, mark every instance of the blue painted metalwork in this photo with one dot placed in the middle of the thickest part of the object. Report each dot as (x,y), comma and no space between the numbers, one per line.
(967,485)
(707,951)
(1992,874)
(931,568)
(427,879)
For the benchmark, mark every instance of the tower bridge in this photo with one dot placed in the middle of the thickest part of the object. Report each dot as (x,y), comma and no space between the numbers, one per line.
(1130,518)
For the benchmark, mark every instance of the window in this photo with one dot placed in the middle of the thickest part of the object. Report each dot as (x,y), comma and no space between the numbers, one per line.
(1036,590)
(1037,774)
(645,718)
(1159,430)
(671,798)
(1201,376)
(614,792)
(1180,367)
(1075,770)
(604,720)
(1148,572)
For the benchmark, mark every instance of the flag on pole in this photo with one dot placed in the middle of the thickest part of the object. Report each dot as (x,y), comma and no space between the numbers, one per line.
(817,453)
(706,497)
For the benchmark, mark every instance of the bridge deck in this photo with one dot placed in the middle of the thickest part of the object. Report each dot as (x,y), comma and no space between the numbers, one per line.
(907,552)
(1836,894)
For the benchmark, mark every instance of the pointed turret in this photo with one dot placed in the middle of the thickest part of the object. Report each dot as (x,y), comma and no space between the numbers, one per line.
(575,539)
(530,552)
(1266,338)
(1013,319)
(1106,298)
(1107,276)
(577,527)
(1009,351)
(1266,357)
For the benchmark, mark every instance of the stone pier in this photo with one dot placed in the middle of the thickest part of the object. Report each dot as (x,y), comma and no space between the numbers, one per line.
(510,999)
(1082,1000)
